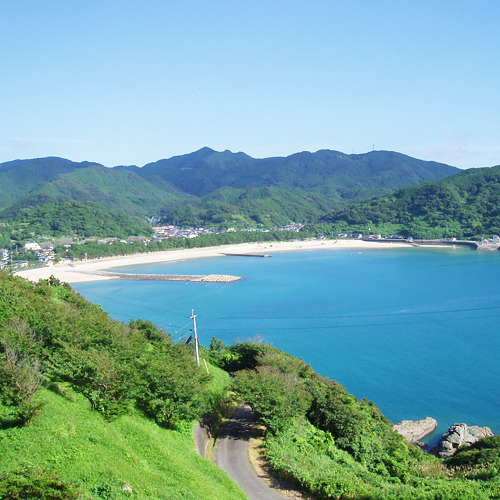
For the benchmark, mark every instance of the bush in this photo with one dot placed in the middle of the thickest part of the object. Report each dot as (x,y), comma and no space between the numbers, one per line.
(28,483)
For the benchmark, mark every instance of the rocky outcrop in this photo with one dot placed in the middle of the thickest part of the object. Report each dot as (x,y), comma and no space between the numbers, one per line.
(413,431)
(459,435)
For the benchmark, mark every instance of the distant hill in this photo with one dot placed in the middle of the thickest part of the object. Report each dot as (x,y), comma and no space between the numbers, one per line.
(48,180)
(465,205)
(300,187)
(19,177)
(76,218)
(204,171)
(217,188)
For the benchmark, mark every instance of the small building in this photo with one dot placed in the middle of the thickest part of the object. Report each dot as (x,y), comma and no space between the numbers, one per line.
(31,247)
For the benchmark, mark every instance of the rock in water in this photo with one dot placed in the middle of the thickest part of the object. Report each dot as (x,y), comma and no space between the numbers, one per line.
(413,430)
(458,435)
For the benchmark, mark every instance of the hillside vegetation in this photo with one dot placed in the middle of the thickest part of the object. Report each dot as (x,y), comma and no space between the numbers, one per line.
(334,446)
(94,408)
(465,205)
(82,219)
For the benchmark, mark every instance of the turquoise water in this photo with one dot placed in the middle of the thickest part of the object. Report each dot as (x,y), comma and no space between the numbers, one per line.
(414,330)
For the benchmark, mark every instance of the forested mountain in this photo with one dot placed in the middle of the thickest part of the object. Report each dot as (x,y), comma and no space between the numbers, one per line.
(243,190)
(206,170)
(465,205)
(217,188)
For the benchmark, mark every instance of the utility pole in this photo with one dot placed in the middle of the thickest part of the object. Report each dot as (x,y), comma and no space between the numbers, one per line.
(193,317)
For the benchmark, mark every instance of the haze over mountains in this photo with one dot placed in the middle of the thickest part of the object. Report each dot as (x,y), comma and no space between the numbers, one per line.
(212,187)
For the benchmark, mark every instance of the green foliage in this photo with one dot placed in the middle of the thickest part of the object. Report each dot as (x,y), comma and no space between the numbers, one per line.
(308,456)
(258,207)
(113,365)
(32,183)
(326,172)
(275,396)
(20,369)
(129,457)
(172,386)
(27,483)
(82,219)
(481,460)
(335,446)
(242,355)
(465,205)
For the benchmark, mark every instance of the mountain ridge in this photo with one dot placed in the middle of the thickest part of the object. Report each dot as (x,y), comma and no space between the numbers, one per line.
(186,189)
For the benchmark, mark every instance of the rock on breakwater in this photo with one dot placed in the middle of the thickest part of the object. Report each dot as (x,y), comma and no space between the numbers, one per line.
(415,430)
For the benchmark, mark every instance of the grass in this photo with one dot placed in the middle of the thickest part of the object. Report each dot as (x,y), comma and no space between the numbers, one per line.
(130,457)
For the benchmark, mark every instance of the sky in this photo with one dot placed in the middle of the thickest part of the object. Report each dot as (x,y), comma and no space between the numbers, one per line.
(123,82)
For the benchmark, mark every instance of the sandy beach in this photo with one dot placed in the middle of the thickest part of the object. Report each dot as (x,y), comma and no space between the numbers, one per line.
(78,272)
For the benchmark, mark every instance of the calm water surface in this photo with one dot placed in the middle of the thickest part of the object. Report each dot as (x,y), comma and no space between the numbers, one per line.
(414,330)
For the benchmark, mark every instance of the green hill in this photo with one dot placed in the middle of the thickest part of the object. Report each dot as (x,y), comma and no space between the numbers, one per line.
(88,406)
(335,446)
(465,205)
(19,177)
(81,219)
(116,189)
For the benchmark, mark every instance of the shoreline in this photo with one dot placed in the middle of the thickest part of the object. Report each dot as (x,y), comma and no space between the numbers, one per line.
(83,271)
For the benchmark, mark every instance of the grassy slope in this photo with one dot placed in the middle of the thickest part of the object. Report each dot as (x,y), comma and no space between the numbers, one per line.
(100,457)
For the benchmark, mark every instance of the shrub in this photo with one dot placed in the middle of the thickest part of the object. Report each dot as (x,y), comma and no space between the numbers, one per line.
(27,483)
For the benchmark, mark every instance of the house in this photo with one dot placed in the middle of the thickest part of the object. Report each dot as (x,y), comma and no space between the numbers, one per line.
(30,247)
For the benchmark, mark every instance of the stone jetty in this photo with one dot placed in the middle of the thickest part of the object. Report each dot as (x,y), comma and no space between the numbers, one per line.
(204,278)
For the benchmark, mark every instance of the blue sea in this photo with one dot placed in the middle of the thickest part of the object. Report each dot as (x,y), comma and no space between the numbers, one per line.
(413,330)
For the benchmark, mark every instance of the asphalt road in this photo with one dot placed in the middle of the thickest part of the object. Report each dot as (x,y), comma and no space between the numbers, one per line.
(231,455)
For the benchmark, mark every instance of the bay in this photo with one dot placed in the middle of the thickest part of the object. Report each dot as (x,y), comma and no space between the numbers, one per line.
(413,330)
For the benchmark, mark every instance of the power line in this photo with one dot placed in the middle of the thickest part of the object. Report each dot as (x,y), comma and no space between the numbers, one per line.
(329,327)
(342,316)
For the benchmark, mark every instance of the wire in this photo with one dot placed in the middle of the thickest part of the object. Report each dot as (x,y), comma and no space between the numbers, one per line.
(401,313)
(327,327)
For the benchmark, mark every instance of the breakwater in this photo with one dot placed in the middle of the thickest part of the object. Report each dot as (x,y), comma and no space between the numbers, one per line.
(247,255)
(203,278)
(468,243)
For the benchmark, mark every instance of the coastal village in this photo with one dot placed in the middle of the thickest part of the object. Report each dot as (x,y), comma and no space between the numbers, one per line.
(43,253)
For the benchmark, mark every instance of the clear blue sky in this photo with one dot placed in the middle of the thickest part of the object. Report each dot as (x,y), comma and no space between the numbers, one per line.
(130,82)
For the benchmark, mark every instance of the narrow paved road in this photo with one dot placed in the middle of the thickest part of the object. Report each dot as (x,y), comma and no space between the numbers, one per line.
(231,455)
